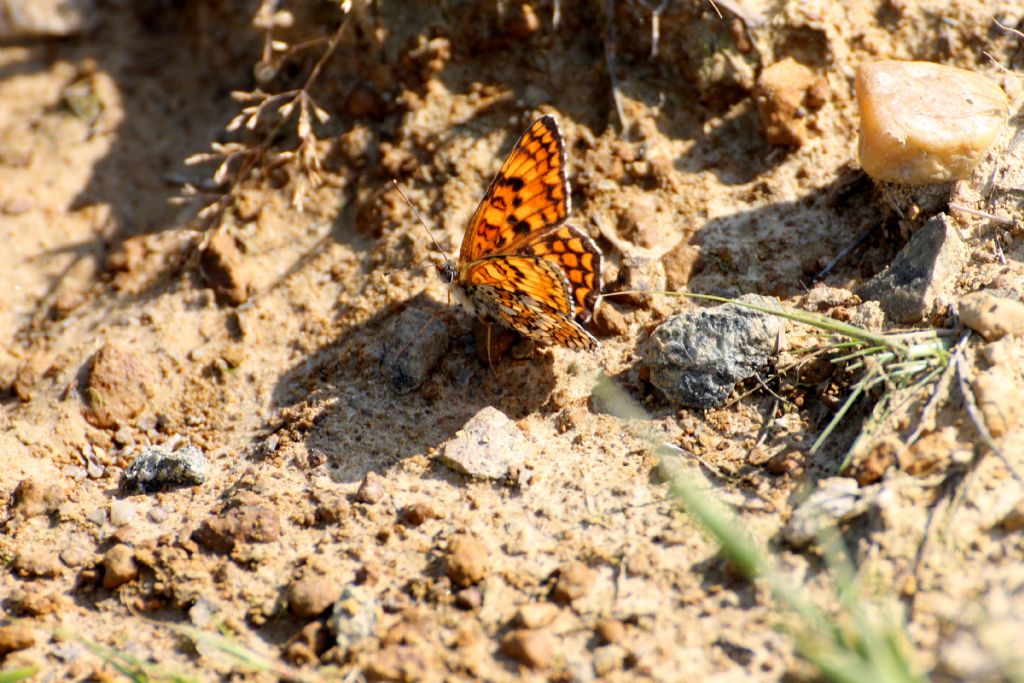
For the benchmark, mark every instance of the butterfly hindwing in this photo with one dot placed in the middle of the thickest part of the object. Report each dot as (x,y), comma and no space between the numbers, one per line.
(528,194)
(575,253)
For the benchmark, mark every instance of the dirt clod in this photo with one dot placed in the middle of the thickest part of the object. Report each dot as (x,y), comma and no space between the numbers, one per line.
(33,498)
(311,594)
(787,93)
(1001,401)
(991,316)
(36,563)
(466,561)
(119,386)
(223,268)
(536,614)
(119,566)
(574,581)
(14,637)
(532,648)
(243,524)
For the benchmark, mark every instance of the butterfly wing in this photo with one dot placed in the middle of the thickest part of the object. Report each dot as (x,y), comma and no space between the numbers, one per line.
(528,294)
(528,194)
(579,259)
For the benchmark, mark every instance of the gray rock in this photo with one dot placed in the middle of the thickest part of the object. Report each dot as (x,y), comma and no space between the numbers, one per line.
(697,358)
(489,446)
(354,616)
(415,341)
(156,469)
(920,280)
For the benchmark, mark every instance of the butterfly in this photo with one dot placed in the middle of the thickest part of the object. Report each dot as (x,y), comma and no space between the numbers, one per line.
(521,264)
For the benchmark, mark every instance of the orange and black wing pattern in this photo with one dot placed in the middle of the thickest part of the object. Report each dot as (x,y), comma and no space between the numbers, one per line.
(530,193)
(579,259)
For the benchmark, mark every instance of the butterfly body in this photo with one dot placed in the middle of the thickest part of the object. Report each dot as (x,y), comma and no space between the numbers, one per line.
(520,264)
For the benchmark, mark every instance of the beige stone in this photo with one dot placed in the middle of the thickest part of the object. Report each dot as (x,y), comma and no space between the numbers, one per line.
(924,123)
(991,316)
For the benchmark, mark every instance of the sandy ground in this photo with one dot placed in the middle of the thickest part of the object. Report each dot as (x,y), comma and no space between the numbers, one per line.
(266,352)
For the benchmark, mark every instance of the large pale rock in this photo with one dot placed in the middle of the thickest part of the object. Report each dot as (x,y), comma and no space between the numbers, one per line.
(925,123)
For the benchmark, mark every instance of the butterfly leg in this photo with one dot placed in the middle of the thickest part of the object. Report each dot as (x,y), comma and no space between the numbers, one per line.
(489,363)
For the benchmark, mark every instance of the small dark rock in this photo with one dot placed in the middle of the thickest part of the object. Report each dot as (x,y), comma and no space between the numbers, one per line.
(415,341)
(156,469)
(243,524)
(696,359)
(639,274)
(919,282)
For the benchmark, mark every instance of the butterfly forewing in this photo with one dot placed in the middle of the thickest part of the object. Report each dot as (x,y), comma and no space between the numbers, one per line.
(528,194)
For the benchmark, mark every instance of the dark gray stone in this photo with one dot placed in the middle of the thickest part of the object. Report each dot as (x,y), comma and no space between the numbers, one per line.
(415,341)
(920,280)
(157,469)
(697,358)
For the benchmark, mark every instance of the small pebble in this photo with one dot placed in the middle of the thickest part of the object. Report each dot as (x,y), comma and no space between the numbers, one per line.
(469,598)
(122,512)
(536,614)
(467,560)
(532,648)
(991,316)
(608,659)
(697,358)
(119,566)
(415,341)
(574,581)
(75,554)
(310,595)
(418,513)
(924,123)
(156,514)
(611,630)
(371,490)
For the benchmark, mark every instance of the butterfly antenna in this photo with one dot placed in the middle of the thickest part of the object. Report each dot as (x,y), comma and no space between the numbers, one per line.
(419,217)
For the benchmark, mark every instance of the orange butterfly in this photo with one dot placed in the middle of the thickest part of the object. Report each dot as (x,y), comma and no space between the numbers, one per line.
(520,263)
